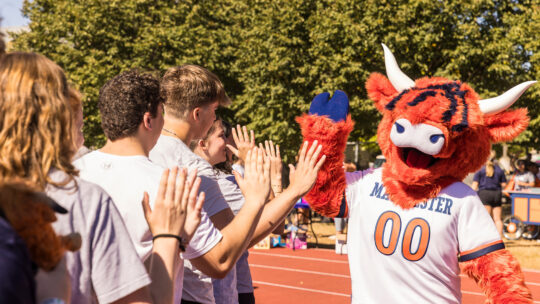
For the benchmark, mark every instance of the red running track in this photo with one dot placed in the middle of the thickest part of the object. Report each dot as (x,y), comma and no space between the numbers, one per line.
(320,276)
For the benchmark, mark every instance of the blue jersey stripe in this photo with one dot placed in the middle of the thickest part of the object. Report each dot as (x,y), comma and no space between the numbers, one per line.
(342,207)
(481,252)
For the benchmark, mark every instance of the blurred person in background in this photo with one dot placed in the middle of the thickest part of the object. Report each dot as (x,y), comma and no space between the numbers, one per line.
(489,182)
(524,179)
(533,168)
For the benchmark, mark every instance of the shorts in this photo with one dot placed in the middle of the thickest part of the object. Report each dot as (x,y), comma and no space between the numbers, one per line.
(490,197)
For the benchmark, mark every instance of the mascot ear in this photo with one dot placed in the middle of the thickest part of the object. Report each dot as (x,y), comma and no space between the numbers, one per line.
(506,125)
(380,90)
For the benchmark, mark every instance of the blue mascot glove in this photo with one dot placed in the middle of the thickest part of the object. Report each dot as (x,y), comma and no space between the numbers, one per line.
(336,108)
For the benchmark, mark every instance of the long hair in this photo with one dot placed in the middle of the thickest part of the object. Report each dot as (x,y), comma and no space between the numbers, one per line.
(490,168)
(35,119)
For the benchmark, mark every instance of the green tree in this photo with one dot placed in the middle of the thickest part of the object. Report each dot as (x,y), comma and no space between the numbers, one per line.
(94,40)
(274,56)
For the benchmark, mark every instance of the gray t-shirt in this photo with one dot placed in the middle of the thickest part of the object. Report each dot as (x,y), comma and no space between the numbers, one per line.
(171,151)
(239,279)
(107,267)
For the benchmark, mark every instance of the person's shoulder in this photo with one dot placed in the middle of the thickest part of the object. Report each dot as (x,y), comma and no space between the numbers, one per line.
(78,192)
(359,177)
(166,144)
(169,151)
(149,167)
(459,190)
(86,160)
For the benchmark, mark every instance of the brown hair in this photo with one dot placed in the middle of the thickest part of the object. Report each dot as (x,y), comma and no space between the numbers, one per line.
(35,119)
(75,100)
(2,41)
(2,44)
(187,87)
(123,101)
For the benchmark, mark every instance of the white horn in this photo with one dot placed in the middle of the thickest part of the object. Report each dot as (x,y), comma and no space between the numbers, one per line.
(399,80)
(500,103)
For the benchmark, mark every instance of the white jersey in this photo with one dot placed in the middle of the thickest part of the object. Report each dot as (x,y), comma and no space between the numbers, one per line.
(413,252)
(168,152)
(126,178)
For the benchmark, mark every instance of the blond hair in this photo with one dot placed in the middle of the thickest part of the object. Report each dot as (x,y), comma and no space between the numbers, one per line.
(187,87)
(490,169)
(35,119)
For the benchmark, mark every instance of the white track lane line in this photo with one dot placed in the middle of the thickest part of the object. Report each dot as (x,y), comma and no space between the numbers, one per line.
(340,276)
(297,257)
(346,262)
(483,295)
(299,270)
(528,283)
(304,289)
(530,270)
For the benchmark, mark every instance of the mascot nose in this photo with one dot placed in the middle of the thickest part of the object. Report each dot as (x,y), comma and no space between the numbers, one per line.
(423,137)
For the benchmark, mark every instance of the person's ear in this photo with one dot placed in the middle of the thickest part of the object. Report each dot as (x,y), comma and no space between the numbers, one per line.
(147,120)
(196,113)
(202,144)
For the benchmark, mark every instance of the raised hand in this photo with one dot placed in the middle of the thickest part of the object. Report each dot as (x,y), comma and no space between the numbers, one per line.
(243,142)
(170,208)
(272,152)
(255,184)
(336,108)
(303,176)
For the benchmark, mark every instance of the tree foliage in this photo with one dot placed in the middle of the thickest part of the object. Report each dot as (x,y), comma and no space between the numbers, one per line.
(274,56)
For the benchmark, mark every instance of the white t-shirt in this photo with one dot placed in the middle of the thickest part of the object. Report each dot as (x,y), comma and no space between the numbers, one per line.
(415,251)
(171,151)
(525,177)
(126,178)
(107,267)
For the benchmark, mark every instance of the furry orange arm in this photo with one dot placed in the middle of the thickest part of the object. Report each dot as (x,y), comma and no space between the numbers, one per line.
(327,195)
(498,274)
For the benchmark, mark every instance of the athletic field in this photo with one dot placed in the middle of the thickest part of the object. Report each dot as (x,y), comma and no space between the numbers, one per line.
(314,275)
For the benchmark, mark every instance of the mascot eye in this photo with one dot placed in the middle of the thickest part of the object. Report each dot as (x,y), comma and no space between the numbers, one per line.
(435,138)
(399,128)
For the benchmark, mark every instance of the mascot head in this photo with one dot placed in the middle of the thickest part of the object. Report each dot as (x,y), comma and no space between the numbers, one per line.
(435,131)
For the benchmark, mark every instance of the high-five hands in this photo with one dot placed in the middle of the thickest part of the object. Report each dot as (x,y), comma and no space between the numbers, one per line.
(303,176)
(276,165)
(255,184)
(177,210)
(243,142)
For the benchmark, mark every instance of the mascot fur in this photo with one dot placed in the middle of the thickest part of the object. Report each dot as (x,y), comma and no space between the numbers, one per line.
(31,214)
(412,223)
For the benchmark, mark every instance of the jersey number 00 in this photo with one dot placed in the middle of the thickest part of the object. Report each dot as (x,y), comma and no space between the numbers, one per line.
(416,225)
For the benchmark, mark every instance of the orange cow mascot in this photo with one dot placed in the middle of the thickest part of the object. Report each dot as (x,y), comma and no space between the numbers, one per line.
(413,223)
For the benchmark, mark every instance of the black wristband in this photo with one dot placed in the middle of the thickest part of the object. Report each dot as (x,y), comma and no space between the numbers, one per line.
(180,243)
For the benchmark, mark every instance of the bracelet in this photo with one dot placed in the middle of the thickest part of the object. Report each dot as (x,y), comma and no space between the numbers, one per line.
(53,301)
(180,242)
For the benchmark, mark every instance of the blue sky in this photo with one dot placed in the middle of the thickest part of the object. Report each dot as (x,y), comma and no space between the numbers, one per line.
(10,11)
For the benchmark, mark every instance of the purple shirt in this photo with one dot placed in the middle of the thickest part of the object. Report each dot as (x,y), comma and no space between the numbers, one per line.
(490,183)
